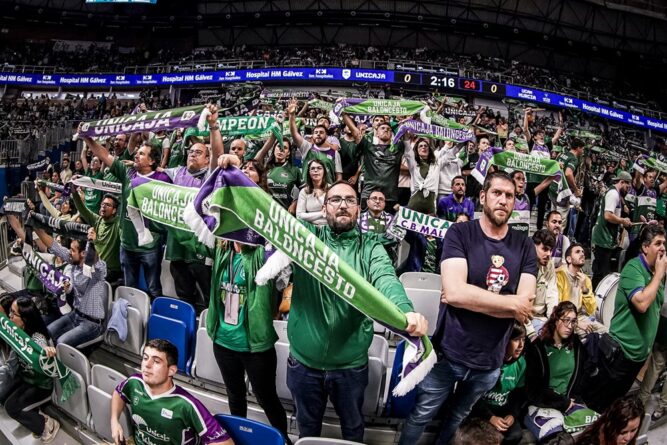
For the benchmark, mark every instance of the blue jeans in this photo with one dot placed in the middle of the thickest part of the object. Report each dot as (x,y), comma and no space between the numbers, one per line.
(310,389)
(131,263)
(436,388)
(73,330)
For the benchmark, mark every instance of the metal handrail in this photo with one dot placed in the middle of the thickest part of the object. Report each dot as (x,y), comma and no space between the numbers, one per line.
(4,244)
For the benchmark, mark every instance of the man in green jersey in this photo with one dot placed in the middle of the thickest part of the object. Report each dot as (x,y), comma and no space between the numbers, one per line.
(569,165)
(605,237)
(634,325)
(162,412)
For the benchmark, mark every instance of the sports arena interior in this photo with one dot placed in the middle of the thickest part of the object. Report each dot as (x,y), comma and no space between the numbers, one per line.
(333,222)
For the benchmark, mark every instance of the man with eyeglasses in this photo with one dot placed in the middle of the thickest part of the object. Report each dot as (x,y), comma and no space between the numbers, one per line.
(189,265)
(575,286)
(329,339)
(555,226)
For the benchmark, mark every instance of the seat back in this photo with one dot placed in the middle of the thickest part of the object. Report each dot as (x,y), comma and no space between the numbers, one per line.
(421,280)
(173,330)
(138,299)
(137,319)
(76,405)
(204,366)
(379,348)
(280,327)
(427,303)
(74,360)
(183,311)
(249,432)
(202,319)
(282,353)
(104,380)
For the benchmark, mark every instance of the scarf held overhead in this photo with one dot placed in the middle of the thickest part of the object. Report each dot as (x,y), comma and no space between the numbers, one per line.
(154,121)
(30,352)
(526,163)
(250,127)
(98,184)
(69,229)
(421,129)
(644,162)
(228,200)
(382,107)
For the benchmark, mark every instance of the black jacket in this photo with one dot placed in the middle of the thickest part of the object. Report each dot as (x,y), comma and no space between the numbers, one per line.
(538,392)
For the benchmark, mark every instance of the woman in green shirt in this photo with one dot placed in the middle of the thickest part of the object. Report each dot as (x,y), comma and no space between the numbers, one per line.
(240,323)
(283,178)
(30,387)
(554,376)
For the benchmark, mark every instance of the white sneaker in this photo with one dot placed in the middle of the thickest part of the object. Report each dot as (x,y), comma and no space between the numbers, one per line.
(51,427)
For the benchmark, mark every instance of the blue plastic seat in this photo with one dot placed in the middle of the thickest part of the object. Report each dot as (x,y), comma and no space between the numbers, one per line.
(399,407)
(182,311)
(173,330)
(249,432)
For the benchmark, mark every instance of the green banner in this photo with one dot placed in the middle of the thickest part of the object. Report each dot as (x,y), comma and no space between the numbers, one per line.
(382,107)
(321,104)
(30,352)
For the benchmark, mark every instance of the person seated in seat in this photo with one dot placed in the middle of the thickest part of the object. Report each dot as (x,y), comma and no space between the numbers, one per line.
(546,295)
(554,375)
(575,286)
(502,406)
(555,226)
(619,425)
(27,386)
(86,321)
(163,412)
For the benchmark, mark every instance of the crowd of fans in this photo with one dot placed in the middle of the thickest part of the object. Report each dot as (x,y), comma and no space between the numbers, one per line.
(519,338)
(74,56)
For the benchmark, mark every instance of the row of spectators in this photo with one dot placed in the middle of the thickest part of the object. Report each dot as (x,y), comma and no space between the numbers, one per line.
(104,57)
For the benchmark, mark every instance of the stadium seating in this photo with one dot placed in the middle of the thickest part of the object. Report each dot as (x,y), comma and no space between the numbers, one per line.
(107,307)
(421,280)
(204,366)
(102,385)
(378,355)
(76,406)
(249,432)
(137,320)
(174,320)
(280,327)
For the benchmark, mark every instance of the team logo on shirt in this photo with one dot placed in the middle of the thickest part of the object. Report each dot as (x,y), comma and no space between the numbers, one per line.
(498,275)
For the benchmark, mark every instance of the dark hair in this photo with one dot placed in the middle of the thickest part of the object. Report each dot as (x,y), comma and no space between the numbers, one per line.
(516,172)
(549,328)
(343,182)
(72,205)
(544,237)
(496,175)
(462,214)
(32,318)
(518,330)
(430,159)
(476,431)
(576,143)
(458,177)
(271,163)
(613,421)
(6,301)
(553,212)
(320,126)
(260,171)
(568,251)
(153,154)
(112,198)
(165,346)
(645,238)
(310,186)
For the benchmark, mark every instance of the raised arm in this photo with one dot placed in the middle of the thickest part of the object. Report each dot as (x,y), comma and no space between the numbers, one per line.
(217,147)
(102,153)
(643,299)
(526,128)
(261,154)
(546,182)
(47,204)
(84,158)
(356,134)
(294,131)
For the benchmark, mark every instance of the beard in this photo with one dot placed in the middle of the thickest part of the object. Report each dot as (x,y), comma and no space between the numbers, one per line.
(496,220)
(340,227)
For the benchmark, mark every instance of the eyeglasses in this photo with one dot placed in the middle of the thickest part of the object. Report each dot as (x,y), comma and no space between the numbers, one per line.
(105,204)
(569,321)
(195,152)
(376,198)
(13,314)
(337,201)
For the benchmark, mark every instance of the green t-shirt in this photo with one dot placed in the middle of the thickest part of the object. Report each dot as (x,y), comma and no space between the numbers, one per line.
(566,160)
(128,234)
(561,367)
(633,330)
(177,155)
(512,376)
(282,180)
(349,157)
(92,197)
(172,418)
(605,234)
(382,165)
(232,278)
(430,256)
